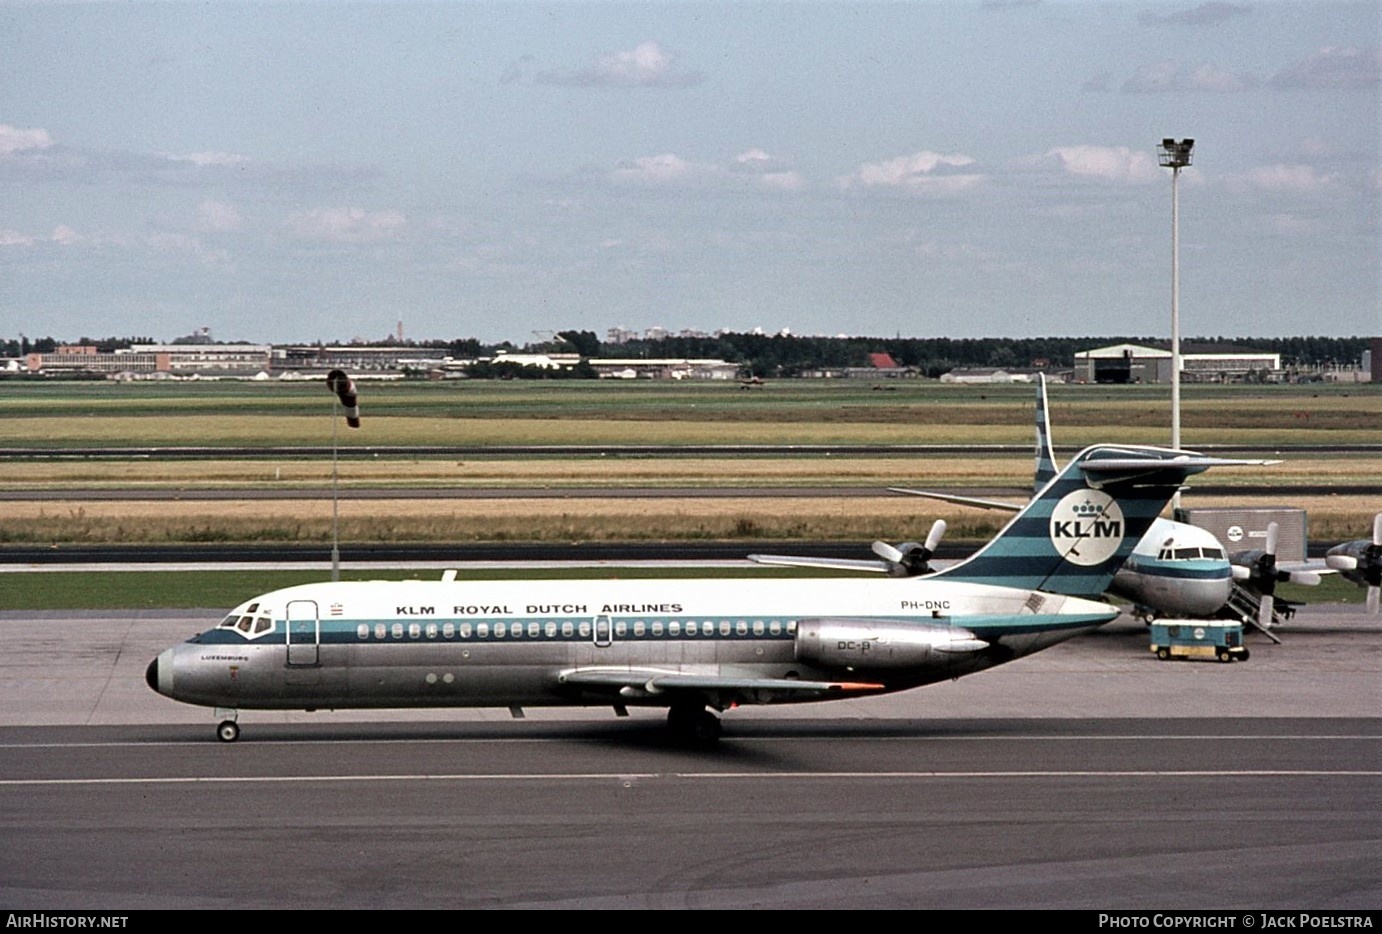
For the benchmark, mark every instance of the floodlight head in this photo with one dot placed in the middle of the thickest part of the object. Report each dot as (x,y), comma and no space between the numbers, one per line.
(1175,154)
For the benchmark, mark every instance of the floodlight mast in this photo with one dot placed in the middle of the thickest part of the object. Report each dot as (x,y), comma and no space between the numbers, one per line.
(1175,155)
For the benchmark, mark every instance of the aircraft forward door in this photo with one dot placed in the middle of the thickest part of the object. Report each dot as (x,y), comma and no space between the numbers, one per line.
(304,633)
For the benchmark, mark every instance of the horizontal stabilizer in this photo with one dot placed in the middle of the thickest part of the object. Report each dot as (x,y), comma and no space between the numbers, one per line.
(834,564)
(961,500)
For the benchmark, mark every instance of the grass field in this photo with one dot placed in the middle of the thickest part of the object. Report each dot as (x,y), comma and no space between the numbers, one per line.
(149,590)
(54,415)
(59,416)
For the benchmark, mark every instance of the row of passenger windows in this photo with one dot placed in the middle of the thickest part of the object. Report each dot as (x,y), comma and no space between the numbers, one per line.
(584,629)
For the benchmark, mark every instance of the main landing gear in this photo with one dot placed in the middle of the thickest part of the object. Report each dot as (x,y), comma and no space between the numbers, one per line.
(227,731)
(693,723)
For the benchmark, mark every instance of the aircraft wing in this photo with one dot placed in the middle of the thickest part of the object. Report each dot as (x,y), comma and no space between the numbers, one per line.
(649,682)
(834,564)
(962,500)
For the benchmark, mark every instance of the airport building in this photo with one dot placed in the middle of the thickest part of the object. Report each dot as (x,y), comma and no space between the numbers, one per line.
(1211,363)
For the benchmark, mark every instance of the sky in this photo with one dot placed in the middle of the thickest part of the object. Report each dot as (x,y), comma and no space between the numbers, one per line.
(289,172)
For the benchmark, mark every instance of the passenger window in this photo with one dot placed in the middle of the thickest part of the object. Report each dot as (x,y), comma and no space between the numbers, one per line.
(448,630)
(567,628)
(551,630)
(379,631)
(482,630)
(397,630)
(414,630)
(362,631)
(465,630)
(534,630)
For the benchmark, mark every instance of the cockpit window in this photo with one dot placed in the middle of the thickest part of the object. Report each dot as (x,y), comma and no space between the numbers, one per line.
(252,623)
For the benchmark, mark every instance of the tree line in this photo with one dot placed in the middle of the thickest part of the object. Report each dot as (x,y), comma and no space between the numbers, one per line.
(786,355)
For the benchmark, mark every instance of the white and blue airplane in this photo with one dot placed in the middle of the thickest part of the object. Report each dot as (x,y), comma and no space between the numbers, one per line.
(690,646)
(1175,570)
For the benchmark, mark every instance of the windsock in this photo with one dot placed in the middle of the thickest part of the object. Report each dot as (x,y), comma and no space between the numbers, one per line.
(344,388)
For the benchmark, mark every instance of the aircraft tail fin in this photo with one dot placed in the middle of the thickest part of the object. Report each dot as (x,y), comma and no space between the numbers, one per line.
(1075,534)
(1045,456)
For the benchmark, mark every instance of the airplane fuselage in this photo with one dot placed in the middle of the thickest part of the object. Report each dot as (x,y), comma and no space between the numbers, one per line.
(1176,570)
(540,643)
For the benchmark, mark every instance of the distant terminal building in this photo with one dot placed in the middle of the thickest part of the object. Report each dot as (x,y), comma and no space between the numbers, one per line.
(986,375)
(665,368)
(210,359)
(357,359)
(1209,363)
(152,361)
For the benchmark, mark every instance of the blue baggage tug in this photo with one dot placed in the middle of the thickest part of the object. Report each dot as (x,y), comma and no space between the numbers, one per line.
(1199,638)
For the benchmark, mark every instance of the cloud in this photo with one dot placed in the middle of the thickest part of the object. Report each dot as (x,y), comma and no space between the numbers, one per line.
(347,225)
(1206,14)
(13,139)
(1332,68)
(1099,83)
(1110,163)
(766,171)
(1163,76)
(205,159)
(218,216)
(753,169)
(923,172)
(1286,178)
(664,169)
(646,65)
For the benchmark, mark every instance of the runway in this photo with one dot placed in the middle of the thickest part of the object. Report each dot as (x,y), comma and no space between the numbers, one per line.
(1089,776)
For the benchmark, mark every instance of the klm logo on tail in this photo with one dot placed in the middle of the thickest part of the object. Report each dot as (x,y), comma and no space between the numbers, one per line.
(1087,527)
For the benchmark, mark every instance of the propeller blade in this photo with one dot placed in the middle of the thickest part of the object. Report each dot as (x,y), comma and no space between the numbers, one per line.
(1377,530)
(1374,599)
(1308,578)
(934,537)
(1342,562)
(1264,612)
(1272,532)
(1241,573)
(887,552)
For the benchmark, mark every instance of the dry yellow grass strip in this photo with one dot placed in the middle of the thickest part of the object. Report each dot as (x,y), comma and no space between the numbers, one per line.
(567,519)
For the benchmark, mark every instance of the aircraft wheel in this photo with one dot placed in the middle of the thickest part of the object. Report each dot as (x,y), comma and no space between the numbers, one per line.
(228,731)
(695,724)
(1163,653)
(705,728)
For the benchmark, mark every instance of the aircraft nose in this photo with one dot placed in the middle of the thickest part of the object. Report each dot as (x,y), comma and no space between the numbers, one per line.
(159,674)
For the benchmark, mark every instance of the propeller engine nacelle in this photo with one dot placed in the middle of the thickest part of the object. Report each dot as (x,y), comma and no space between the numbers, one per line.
(861,644)
(1257,569)
(911,559)
(1361,562)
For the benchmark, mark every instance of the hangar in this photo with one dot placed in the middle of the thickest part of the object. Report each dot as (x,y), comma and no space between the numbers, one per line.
(1204,363)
